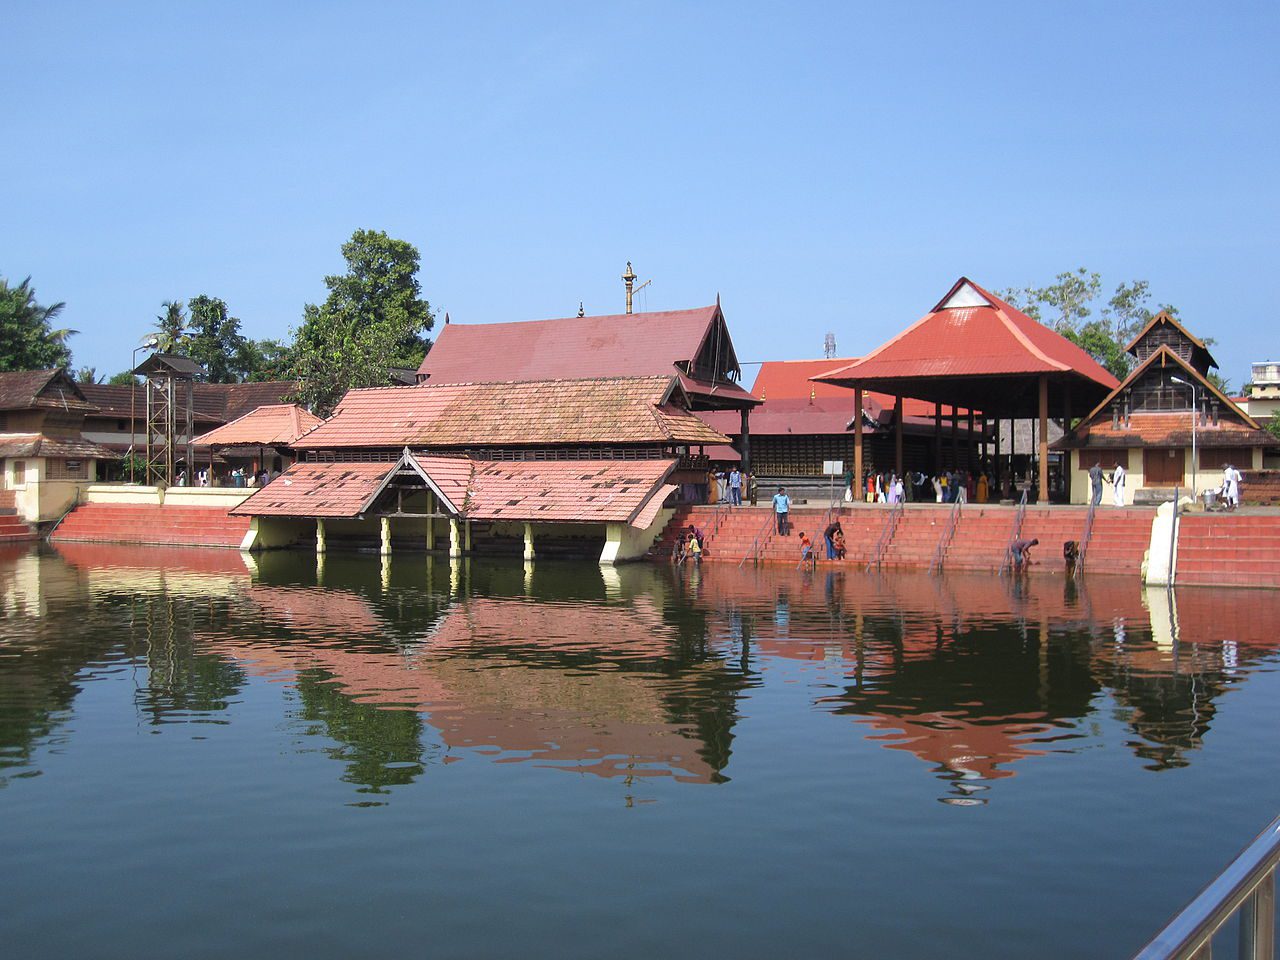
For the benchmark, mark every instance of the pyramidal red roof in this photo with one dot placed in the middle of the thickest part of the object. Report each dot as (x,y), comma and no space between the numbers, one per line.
(973,333)
(619,345)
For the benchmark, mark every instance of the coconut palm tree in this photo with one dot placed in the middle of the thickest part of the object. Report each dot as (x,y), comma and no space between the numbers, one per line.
(27,340)
(171,327)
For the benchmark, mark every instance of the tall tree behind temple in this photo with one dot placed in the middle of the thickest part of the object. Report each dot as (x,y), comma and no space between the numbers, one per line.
(28,340)
(171,328)
(215,341)
(374,318)
(1068,306)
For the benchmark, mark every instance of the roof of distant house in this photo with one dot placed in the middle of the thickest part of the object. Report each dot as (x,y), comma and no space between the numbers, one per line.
(791,380)
(39,445)
(546,412)
(211,402)
(276,424)
(41,390)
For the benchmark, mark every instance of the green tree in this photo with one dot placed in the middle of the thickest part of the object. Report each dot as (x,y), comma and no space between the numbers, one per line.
(374,318)
(28,340)
(1065,302)
(122,379)
(214,340)
(266,359)
(88,375)
(171,328)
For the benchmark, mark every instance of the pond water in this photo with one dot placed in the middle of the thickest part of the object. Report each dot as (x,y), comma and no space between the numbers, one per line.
(203,756)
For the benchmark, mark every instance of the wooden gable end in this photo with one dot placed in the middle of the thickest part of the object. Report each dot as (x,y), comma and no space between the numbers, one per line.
(716,359)
(1164,331)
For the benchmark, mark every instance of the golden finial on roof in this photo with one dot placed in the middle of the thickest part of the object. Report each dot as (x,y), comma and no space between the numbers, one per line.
(446,318)
(581,311)
(813,394)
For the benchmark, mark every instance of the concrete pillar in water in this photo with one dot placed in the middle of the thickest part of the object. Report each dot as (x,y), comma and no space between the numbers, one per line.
(321,541)
(385,531)
(466,530)
(528,541)
(455,538)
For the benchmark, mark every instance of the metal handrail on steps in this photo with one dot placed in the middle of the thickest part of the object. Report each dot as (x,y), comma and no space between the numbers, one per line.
(886,536)
(754,554)
(945,539)
(1007,562)
(1085,538)
(1247,886)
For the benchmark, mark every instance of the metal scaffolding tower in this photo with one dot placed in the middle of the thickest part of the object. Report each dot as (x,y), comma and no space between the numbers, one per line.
(170,425)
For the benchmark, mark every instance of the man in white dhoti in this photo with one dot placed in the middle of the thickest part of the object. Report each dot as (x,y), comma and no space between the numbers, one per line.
(1231,486)
(1117,484)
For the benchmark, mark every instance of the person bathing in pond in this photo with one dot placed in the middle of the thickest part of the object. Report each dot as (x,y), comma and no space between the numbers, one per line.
(1020,553)
(838,540)
(694,549)
(829,535)
(806,548)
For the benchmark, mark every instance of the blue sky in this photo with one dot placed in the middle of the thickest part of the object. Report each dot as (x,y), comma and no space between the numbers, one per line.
(821,167)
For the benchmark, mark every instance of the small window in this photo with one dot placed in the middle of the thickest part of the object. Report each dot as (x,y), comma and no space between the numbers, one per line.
(18,480)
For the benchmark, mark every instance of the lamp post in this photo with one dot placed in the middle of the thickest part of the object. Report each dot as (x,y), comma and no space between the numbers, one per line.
(1195,417)
(148,343)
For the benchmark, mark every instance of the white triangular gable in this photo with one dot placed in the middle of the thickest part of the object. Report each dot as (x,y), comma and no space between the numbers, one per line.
(965,296)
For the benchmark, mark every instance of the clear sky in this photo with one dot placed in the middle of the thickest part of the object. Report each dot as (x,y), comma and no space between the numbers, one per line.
(822,167)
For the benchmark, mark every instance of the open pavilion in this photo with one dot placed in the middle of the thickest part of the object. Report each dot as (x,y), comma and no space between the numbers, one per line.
(974,351)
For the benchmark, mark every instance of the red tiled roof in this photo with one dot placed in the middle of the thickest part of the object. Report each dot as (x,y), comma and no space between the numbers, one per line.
(317,490)
(212,402)
(620,345)
(549,412)
(549,490)
(790,380)
(41,389)
(524,490)
(38,445)
(988,338)
(275,424)
(793,415)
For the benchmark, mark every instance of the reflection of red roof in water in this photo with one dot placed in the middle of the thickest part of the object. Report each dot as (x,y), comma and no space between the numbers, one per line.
(973,750)
(602,721)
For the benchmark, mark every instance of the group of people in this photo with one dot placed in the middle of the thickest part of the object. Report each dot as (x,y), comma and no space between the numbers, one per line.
(688,545)
(730,487)
(239,477)
(1116,479)
(947,486)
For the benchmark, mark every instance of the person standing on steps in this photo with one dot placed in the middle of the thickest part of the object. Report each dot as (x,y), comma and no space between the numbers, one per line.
(1095,482)
(781,508)
(735,487)
(1117,484)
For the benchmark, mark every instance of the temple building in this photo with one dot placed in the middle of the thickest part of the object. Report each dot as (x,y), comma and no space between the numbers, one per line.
(801,425)
(582,467)
(44,456)
(1166,424)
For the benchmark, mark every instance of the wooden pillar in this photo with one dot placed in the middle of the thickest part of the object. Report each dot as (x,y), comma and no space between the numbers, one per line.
(1044,437)
(528,541)
(998,475)
(745,442)
(968,447)
(859,485)
(937,439)
(897,436)
(384,536)
(955,438)
(321,541)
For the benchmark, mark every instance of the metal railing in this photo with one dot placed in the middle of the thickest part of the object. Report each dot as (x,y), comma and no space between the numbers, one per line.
(754,554)
(886,536)
(1247,886)
(1018,517)
(1085,537)
(945,540)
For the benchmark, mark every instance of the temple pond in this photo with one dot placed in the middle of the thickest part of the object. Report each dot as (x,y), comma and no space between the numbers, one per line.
(207,756)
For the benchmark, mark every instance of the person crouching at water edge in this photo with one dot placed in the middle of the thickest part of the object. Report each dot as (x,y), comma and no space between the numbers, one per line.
(829,535)
(781,507)
(806,548)
(1020,553)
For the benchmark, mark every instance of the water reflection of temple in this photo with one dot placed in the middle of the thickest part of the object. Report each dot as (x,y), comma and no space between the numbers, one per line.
(623,674)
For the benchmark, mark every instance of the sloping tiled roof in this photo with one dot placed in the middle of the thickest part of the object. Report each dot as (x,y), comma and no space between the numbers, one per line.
(795,416)
(972,333)
(621,410)
(277,424)
(38,445)
(317,490)
(554,490)
(41,389)
(790,380)
(620,345)
(213,402)
(548,491)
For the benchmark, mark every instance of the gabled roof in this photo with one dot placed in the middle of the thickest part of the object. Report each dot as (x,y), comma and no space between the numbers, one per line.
(525,413)
(972,333)
(317,490)
(212,402)
(169,363)
(1167,428)
(41,390)
(277,424)
(571,348)
(1164,317)
(38,445)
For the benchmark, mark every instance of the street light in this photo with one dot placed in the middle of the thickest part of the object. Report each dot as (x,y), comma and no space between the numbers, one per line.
(1195,416)
(148,343)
